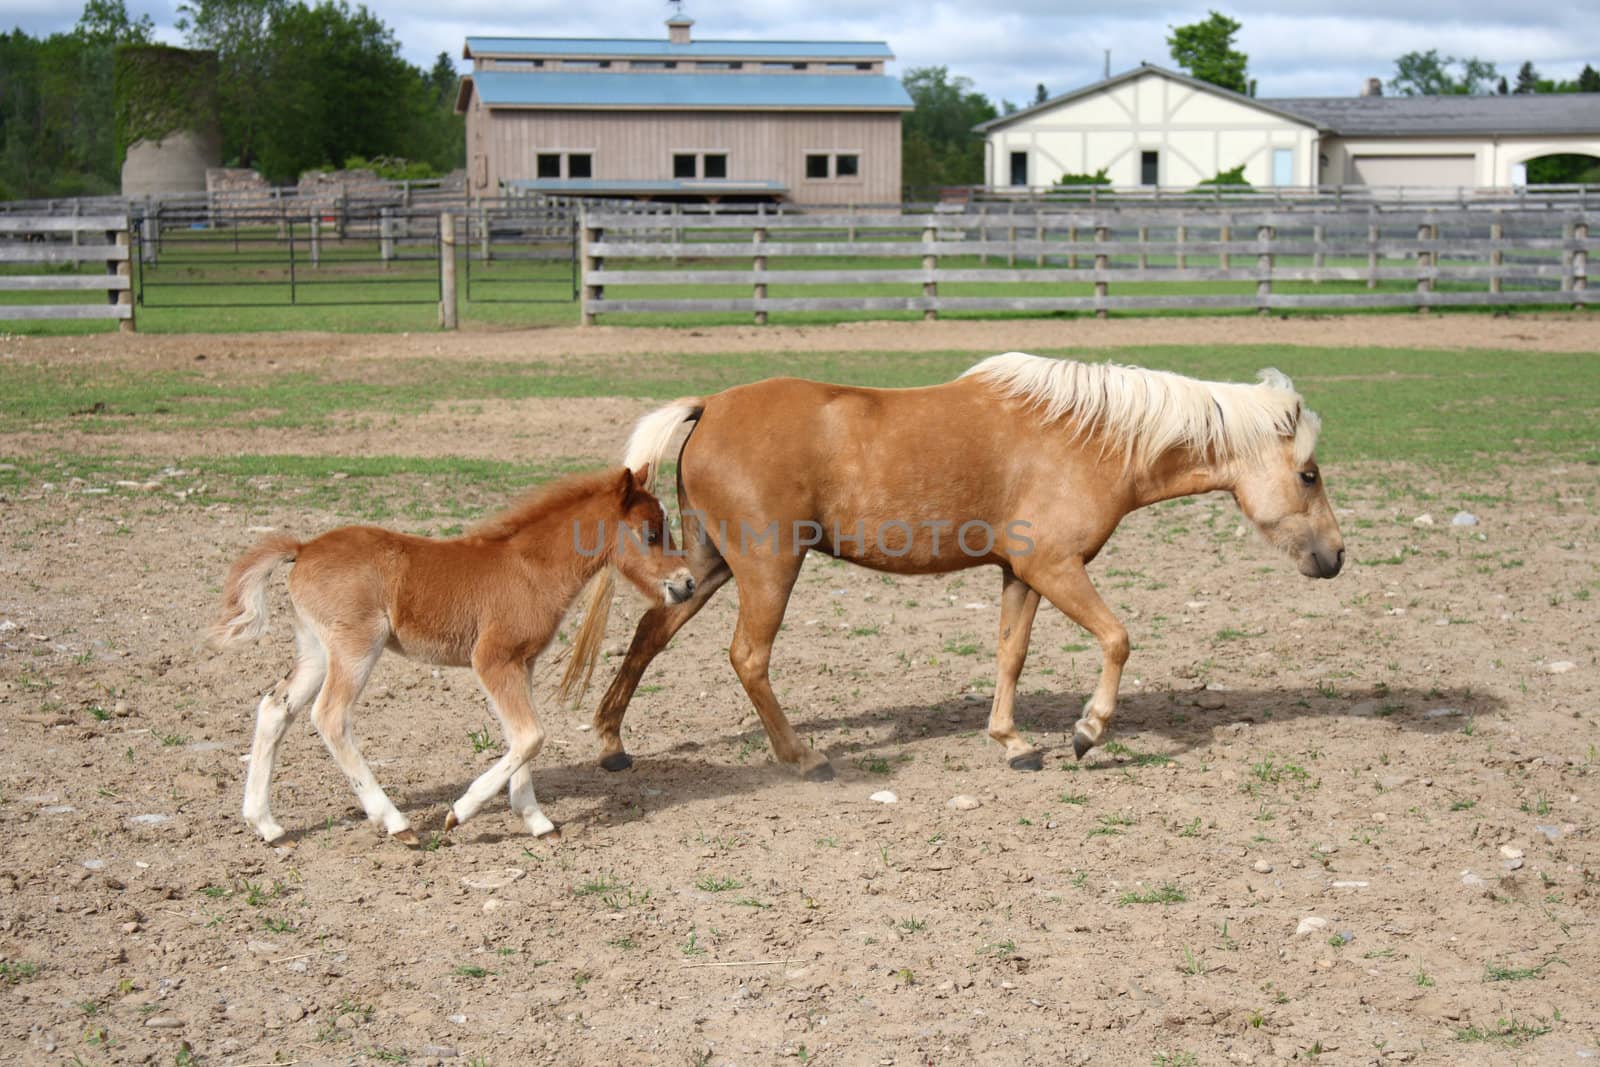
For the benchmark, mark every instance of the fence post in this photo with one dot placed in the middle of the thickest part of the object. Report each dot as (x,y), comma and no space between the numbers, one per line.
(1580,266)
(316,239)
(1264,265)
(447,270)
(125,272)
(1038,235)
(1224,234)
(147,238)
(1144,257)
(386,236)
(930,263)
(1100,264)
(1497,257)
(589,262)
(1183,235)
(1072,239)
(758,237)
(983,235)
(1011,235)
(1424,261)
(1372,255)
(1319,237)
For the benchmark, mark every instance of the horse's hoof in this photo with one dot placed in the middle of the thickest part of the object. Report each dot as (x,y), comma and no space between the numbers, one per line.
(1028,761)
(1080,745)
(450,821)
(822,772)
(551,837)
(408,837)
(616,761)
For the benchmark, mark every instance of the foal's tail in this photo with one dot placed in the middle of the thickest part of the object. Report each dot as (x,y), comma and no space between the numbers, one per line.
(648,443)
(244,594)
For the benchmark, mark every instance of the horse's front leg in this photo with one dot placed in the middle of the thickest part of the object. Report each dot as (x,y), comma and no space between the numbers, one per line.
(1018,604)
(1067,586)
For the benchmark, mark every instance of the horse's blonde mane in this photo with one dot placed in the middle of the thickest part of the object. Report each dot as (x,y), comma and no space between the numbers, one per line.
(1143,413)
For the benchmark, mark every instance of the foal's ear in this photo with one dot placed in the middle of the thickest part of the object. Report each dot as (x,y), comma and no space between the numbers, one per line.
(642,478)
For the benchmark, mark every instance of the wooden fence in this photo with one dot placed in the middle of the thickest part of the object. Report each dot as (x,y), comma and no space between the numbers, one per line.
(72,241)
(1078,260)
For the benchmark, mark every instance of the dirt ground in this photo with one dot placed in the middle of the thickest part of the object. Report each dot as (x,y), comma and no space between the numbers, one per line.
(1344,822)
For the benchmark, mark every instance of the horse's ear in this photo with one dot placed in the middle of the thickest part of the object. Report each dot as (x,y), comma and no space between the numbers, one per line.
(642,478)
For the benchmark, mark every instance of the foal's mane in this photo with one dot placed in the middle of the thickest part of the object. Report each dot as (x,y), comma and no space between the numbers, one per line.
(1143,413)
(544,501)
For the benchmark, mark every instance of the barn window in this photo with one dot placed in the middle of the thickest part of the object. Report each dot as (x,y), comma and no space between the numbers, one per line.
(716,165)
(816,166)
(683,165)
(549,165)
(846,166)
(1149,168)
(580,165)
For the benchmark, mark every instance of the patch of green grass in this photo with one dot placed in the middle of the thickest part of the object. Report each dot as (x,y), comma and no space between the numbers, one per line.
(1505,1031)
(711,884)
(1165,893)
(15,972)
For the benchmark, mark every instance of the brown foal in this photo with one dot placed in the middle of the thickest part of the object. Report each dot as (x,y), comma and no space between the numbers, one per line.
(491,599)
(1023,463)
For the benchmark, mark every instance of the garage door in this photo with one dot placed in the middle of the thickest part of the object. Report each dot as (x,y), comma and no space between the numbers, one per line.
(1415,170)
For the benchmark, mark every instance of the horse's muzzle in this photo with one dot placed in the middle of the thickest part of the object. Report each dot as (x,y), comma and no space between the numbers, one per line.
(1321,563)
(678,588)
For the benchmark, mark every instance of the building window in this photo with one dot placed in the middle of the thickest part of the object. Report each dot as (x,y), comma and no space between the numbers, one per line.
(1149,168)
(1019,168)
(823,165)
(717,64)
(1283,166)
(699,164)
(564,165)
(653,64)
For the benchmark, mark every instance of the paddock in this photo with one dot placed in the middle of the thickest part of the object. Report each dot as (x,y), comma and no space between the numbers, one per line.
(1351,819)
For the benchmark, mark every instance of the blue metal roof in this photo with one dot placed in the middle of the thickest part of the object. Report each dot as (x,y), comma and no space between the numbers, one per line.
(659,49)
(601,187)
(673,91)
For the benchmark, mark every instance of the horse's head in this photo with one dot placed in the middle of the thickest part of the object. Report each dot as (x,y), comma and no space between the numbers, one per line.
(643,550)
(1280,489)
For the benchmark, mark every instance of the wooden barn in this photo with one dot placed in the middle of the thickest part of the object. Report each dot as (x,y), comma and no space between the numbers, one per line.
(810,122)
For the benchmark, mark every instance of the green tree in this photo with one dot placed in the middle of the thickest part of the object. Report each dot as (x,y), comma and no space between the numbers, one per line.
(1588,80)
(238,31)
(939,146)
(1527,80)
(1429,74)
(1205,49)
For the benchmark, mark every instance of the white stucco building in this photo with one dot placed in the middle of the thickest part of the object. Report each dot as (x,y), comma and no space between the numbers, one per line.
(1152,126)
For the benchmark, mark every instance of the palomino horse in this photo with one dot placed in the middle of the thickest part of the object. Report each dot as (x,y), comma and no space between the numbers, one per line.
(491,598)
(1023,462)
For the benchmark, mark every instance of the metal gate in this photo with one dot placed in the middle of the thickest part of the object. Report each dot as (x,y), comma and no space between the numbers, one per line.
(522,253)
(194,256)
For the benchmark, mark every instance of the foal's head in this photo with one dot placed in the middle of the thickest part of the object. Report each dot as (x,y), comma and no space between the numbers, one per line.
(642,549)
(1279,486)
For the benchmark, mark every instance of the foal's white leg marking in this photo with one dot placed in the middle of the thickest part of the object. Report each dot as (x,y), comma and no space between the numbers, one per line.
(525,804)
(347,675)
(273,716)
(506,686)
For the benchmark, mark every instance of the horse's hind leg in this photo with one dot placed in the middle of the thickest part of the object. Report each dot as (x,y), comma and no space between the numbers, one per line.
(649,638)
(349,664)
(1067,586)
(1018,604)
(763,596)
(273,716)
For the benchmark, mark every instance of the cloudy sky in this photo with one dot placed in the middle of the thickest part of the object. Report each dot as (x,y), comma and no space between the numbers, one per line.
(1009,47)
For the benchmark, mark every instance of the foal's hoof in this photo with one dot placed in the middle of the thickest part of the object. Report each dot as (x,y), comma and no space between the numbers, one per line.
(822,772)
(551,837)
(616,761)
(1028,761)
(408,837)
(450,821)
(1080,745)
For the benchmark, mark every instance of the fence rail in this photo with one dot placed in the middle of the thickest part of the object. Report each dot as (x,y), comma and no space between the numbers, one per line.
(72,243)
(1069,259)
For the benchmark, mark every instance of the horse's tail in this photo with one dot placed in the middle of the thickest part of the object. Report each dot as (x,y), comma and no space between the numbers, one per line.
(648,443)
(244,594)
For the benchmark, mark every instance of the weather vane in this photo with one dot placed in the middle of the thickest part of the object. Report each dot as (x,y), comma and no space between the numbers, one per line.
(677,8)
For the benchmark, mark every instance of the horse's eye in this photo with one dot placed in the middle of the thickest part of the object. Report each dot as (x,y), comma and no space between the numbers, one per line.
(1308,477)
